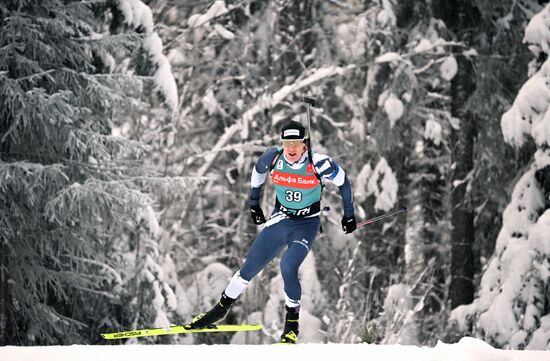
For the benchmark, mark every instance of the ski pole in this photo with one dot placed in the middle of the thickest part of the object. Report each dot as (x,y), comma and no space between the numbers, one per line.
(383,216)
(310,101)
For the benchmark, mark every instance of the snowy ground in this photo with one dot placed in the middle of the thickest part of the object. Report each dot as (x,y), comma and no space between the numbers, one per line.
(468,349)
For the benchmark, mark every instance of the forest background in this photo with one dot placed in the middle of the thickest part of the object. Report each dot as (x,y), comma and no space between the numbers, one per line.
(128,131)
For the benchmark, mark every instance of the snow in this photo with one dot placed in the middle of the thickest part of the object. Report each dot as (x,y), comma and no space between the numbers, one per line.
(467,349)
(266,102)
(148,217)
(398,303)
(316,75)
(161,319)
(541,337)
(542,158)
(210,103)
(423,46)
(455,123)
(163,76)
(528,114)
(108,60)
(513,286)
(351,38)
(383,184)
(449,68)
(387,15)
(385,18)
(223,32)
(137,14)
(390,57)
(541,129)
(361,181)
(217,9)
(514,127)
(394,108)
(208,284)
(515,278)
(503,281)
(537,31)
(508,308)
(470,53)
(433,131)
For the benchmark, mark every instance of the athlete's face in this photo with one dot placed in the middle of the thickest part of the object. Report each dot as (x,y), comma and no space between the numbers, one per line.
(293,149)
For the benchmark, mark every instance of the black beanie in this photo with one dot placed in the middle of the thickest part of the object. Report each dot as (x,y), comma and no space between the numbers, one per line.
(293,130)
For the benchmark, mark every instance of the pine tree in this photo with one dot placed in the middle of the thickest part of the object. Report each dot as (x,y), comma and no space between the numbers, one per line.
(412,127)
(67,184)
(461,18)
(510,310)
(240,63)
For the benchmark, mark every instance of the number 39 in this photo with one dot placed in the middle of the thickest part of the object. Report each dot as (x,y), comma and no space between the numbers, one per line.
(293,196)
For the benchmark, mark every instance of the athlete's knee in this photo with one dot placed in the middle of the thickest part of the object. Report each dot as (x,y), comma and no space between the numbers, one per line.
(289,270)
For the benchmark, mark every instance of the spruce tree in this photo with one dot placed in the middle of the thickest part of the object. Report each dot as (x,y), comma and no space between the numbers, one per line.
(67,184)
(510,309)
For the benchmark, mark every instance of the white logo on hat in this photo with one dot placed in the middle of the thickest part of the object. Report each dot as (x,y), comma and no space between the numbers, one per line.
(291,132)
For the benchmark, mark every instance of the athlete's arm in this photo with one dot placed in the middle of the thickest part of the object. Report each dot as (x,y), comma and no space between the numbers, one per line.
(347,197)
(329,170)
(259,174)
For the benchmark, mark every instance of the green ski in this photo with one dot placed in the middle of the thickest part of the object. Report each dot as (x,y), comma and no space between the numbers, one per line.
(173,330)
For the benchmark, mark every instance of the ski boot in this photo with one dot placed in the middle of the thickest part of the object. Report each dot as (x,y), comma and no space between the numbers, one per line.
(216,314)
(290,333)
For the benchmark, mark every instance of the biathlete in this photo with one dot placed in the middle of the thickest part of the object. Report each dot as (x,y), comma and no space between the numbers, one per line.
(296,174)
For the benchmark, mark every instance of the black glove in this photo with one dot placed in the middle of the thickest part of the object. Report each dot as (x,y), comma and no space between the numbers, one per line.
(348,224)
(257,214)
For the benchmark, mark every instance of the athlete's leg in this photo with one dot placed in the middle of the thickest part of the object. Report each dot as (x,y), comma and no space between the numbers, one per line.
(301,237)
(265,247)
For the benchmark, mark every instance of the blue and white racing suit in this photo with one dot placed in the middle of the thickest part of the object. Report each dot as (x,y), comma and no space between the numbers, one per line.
(295,221)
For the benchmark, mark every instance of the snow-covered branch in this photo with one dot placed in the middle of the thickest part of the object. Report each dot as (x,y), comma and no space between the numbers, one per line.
(163,77)
(139,16)
(537,31)
(217,9)
(267,101)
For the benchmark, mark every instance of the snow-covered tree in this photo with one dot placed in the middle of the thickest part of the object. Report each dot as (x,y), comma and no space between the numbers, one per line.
(241,66)
(413,123)
(381,73)
(511,310)
(68,185)
(459,16)
(490,67)
(484,183)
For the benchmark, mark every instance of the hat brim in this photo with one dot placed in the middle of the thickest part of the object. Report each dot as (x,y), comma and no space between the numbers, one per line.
(294,138)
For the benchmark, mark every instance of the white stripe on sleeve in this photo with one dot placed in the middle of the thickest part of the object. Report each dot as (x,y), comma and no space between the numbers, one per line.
(321,160)
(257,179)
(324,166)
(340,177)
(317,157)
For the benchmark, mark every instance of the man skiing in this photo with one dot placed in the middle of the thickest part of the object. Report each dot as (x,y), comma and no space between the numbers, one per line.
(296,173)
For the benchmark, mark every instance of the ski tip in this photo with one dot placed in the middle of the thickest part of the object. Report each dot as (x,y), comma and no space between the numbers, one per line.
(178,330)
(403,209)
